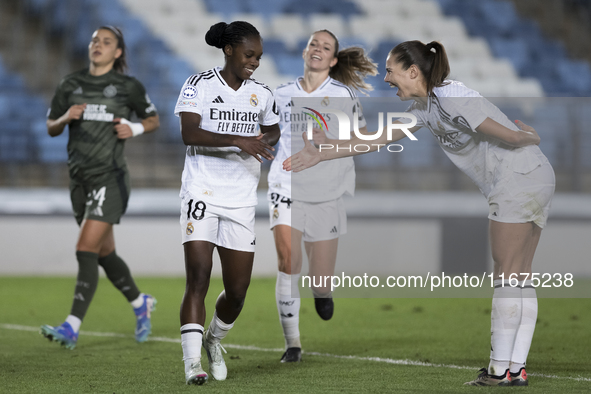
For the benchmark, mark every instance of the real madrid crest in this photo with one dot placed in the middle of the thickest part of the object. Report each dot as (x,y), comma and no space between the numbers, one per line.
(190,228)
(110,91)
(254,101)
(275,214)
(325,102)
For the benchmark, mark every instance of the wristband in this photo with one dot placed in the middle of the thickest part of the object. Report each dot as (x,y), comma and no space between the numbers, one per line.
(136,128)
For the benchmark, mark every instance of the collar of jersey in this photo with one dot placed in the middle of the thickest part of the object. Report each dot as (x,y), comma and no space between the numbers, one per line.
(107,74)
(217,70)
(326,82)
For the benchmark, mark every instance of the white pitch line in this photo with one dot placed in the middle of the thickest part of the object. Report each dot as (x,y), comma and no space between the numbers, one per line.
(260,349)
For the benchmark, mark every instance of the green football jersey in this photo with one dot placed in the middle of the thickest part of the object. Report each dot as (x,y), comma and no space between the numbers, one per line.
(93,146)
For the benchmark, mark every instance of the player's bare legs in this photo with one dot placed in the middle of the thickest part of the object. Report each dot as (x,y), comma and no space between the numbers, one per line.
(288,242)
(236,272)
(198,264)
(92,236)
(514,309)
(322,257)
(513,246)
(289,252)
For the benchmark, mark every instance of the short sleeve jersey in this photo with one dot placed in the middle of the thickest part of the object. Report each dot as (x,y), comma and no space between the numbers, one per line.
(93,146)
(224,176)
(327,180)
(452,114)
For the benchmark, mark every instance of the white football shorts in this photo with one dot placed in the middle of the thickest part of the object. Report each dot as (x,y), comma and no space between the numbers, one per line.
(522,197)
(230,228)
(317,221)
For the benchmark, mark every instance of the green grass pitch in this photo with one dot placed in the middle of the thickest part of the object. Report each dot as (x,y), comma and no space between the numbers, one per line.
(370,345)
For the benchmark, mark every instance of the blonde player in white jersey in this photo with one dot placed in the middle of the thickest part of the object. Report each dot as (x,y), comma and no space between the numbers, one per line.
(220,111)
(314,211)
(504,161)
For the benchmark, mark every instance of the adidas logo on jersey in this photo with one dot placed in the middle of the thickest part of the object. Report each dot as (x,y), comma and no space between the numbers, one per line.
(254,242)
(290,104)
(334,230)
(218,99)
(78,90)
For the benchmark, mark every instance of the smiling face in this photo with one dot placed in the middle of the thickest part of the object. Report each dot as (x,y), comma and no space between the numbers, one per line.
(319,54)
(102,49)
(244,58)
(410,82)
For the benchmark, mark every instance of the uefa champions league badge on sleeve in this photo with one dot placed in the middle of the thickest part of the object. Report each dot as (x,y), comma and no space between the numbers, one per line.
(189,92)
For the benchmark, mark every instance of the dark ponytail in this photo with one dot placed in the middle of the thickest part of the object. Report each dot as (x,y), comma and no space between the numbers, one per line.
(431,59)
(222,34)
(121,62)
(353,65)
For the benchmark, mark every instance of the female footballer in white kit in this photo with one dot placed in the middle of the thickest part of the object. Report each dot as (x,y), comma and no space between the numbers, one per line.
(220,111)
(309,205)
(504,161)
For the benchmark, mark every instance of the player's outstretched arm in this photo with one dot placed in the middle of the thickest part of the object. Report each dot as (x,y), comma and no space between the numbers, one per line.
(310,156)
(193,134)
(526,136)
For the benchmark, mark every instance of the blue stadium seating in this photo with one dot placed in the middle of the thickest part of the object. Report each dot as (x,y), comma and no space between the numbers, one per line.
(14,141)
(521,41)
(227,7)
(307,7)
(266,8)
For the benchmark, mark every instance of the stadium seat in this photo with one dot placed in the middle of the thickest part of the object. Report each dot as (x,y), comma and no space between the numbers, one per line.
(334,23)
(499,70)
(290,28)
(290,64)
(14,141)
(226,7)
(516,50)
(267,8)
(256,20)
(500,14)
(421,9)
(392,8)
(576,75)
(445,30)
(274,47)
(370,28)
(463,69)
(344,8)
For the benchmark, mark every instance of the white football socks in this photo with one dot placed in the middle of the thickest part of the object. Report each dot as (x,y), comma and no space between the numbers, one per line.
(505,320)
(525,332)
(191,335)
(288,306)
(138,302)
(217,329)
(75,322)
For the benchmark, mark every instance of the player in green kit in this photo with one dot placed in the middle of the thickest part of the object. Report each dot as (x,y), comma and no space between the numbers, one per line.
(96,104)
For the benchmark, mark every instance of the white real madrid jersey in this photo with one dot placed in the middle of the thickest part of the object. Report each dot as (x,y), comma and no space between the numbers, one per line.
(327,180)
(224,176)
(452,114)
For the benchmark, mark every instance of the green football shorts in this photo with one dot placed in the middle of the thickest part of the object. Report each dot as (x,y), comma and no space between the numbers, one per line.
(104,198)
